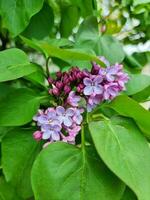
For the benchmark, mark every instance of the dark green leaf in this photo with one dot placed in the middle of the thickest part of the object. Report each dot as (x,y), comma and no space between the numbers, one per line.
(18,107)
(71,13)
(126,152)
(128,195)
(62,169)
(19,151)
(40,24)
(7,192)
(14,64)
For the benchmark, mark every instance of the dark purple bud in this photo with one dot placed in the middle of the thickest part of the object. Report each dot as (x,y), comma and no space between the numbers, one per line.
(95,69)
(66,79)
(59,74)
(67,89)
(50,80)
(59,84)
(55,91)
(80,87)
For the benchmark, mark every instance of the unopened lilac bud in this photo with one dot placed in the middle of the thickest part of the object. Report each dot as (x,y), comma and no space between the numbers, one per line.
(67,89)
(59,84)
(66,80)
(55,91)
(80,87)
(59,74)
(50,80)
(95,69)
(37,135)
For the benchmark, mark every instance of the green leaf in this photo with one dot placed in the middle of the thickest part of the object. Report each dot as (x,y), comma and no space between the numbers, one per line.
(14,64)
(127,107)
(16,14)
(3,131)
(106,46)
(87,34)
(65,168)
(19,151)
(5,89)
(137,83)
(128,195)
(41,24)
(68,54)
(7,192)
(126,152)
(138,2)
(71,13)
(19,107)
(88,37)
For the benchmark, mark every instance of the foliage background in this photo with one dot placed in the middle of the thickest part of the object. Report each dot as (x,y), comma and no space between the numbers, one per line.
(72,33)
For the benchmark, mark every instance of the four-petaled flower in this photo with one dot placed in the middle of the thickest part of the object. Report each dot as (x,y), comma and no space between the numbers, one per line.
(64,116)
(92,85)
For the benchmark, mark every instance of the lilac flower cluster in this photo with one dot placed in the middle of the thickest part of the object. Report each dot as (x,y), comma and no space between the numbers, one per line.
(58,124)
(70,88)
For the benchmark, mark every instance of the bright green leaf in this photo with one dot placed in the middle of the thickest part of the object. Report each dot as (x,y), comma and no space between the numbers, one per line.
(16,14)
(19,151)
(138,2)
(14,64)
(137,83)
(126,152)
(65,172)
(127,107)
(110,48)
(19,107)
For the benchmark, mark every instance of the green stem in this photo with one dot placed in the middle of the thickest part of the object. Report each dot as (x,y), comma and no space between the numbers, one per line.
(82,137)
(47,68)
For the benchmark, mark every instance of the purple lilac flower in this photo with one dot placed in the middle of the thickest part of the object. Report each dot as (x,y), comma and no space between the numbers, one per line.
(77,117)
(110,91)
(49,123)
(73,99)
(92,85)
(65,116)
(72,132)
(93,101)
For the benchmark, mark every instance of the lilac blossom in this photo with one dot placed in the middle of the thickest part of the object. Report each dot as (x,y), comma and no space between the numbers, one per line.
(92,85)
(72,132)
(77,117)
(93,101)
(73,99)
(64,116)
(63,122)
(110,91)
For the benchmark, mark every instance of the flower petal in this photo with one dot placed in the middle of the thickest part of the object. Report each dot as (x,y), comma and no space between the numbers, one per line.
(68,121)
(97,80)
(98,89)
(88,90)
(70,112)
(55,136)
(87,81)
(60,110)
